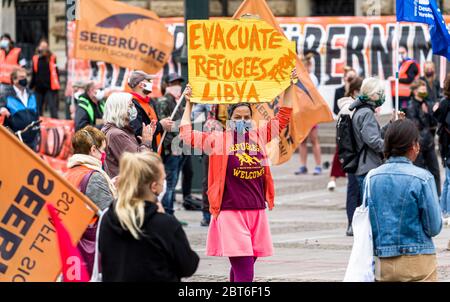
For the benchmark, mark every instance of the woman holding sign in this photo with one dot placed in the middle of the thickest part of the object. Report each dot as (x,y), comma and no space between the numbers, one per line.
(239,183)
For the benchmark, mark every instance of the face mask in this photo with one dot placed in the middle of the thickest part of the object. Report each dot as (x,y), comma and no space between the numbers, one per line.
(100,94)
(175,91)
(103,158)
(429,74)
(43,52)
(132,113)
(78,94)
(23,82)
(380,101)
(422,94)
(148,88)
(241,126)
(4,44)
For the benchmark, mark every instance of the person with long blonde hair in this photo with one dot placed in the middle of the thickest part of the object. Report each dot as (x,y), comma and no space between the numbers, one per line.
(138,241)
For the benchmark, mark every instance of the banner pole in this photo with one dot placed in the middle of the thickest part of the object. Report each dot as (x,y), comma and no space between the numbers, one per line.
(171,118)
(397,68)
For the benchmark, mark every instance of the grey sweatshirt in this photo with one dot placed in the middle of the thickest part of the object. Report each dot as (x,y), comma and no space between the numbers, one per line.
(367,132)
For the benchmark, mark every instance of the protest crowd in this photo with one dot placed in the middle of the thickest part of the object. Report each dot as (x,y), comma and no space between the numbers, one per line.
(129,150)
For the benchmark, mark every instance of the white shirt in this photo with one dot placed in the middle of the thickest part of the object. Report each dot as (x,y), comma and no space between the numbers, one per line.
(23,96)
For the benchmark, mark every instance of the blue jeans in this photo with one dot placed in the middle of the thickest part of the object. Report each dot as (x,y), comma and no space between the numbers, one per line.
(445,196)
(172,166)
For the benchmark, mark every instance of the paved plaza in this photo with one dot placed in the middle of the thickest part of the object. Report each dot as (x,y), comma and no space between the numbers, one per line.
(308,227)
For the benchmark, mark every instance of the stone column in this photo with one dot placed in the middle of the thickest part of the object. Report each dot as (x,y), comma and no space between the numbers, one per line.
(303,8)
(8,19)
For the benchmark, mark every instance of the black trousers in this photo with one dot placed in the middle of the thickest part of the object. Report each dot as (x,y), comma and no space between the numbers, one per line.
(353,196)
(186,180)
(427,159)
(205,186)
(47,99)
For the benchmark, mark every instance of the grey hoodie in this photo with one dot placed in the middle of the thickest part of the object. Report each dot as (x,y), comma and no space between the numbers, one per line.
(367,132)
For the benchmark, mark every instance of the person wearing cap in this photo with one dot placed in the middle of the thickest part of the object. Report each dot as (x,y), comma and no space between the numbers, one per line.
(90,107)
(239,183)
(142,85)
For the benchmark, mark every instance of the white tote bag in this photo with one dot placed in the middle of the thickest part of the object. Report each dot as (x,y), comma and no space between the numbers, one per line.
(361,264)
(96,275)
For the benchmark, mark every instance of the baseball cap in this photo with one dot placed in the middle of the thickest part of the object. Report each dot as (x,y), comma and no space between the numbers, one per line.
(172,77)
(138,76)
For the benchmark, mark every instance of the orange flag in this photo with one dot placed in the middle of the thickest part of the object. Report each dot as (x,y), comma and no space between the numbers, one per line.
(309,107)
(121,34)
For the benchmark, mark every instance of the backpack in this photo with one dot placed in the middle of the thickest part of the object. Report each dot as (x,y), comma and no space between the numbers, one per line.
(348,152)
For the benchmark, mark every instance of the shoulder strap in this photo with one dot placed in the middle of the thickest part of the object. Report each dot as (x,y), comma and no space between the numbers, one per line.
(84,182)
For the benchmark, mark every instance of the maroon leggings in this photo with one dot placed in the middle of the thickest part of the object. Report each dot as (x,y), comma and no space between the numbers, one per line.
(242,268)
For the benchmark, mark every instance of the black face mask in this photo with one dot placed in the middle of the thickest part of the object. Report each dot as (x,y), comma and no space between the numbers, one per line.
(23,82)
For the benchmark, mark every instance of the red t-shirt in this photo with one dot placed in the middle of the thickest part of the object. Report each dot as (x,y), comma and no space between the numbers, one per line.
(244,181)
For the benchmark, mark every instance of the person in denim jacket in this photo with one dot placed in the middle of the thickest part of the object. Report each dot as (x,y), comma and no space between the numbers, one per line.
(404,210)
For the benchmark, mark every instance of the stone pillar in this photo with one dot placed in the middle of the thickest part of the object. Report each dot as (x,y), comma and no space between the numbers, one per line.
(303,8)
(8,19)
(57,31)
(374,7)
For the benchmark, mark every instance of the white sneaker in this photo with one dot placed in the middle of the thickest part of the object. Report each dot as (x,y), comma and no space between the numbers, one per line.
(331,185)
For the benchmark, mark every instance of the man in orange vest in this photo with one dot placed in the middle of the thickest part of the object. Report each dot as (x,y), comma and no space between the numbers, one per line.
(45,79)
(10,59)
(408,72)
(142,85)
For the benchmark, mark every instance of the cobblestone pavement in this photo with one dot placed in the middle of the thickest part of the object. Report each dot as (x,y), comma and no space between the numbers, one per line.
(308,227)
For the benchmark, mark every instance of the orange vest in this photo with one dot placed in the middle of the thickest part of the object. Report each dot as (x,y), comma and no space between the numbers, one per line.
(150,113)
(8,63)
(404,89)
(75,176)
(54,80)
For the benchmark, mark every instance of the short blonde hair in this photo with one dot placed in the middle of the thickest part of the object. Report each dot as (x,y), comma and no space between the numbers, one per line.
(372,87)
(116,109)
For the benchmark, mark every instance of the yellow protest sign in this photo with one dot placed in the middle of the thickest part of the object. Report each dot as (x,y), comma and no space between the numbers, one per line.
(232,61)
(28,242)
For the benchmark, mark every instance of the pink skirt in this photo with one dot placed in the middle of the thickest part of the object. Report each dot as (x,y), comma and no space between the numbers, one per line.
(239,233)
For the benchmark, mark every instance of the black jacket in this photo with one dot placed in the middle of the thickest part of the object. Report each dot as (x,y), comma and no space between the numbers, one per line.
(162,254)
(142,117)
(426,123)
(434,90)
(442,115)
(82,118)
(166,106)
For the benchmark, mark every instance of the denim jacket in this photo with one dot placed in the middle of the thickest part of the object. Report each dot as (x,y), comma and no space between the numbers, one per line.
(404,209)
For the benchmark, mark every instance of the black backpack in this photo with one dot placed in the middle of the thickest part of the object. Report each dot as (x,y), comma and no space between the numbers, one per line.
(348,152)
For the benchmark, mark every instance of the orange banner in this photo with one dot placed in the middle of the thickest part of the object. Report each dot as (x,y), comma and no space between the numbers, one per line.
(309,107)
(28,242)
(121,34)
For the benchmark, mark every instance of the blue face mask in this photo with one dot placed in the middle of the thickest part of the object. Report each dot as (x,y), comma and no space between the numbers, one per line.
(241,126)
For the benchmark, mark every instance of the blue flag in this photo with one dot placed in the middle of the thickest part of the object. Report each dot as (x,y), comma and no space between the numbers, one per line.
(426,11)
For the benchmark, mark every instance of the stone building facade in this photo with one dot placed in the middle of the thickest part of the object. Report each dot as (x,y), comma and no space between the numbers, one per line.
(55,14)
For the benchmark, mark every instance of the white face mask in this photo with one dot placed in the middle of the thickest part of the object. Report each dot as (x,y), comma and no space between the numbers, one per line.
(4,43)
(132,113)
(100,94)
(78,94)
(175,91)
(148,87)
